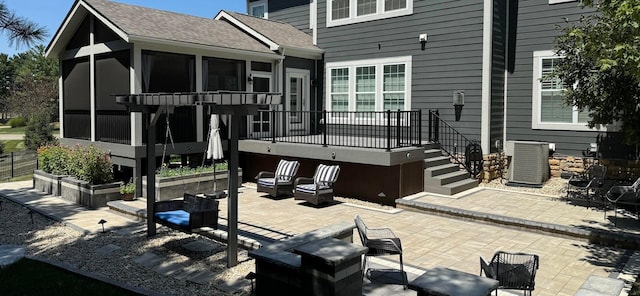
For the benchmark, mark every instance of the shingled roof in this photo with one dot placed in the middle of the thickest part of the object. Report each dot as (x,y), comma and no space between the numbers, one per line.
(148,24)
(138,21)
(282,34)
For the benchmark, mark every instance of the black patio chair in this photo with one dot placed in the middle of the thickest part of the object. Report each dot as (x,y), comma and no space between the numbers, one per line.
(280,182)
(318,189)
(582,185)
(381,242)
(512,270)
(621,196)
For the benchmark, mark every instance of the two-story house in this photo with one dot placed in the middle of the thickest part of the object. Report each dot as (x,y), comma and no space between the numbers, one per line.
(358,78)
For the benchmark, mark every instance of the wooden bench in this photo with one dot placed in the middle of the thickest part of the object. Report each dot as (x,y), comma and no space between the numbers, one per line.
(187,215)
(278,269)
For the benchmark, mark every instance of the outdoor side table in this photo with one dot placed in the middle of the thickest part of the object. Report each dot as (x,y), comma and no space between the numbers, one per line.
(444,281)
(331,267)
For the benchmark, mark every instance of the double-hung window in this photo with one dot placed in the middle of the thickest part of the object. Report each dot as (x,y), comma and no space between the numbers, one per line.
(342,12)
(549,108)
(258,8)
(369,86)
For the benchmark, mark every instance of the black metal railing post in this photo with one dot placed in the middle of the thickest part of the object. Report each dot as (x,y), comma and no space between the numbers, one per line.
(273,125)
(398,133)
(388,130)
(419,126)
(324,128)
(430,127)
(12,165)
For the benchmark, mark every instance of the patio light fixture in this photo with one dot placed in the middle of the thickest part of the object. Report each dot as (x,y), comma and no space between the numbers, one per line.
(423,41)
(458,102)
(250,78)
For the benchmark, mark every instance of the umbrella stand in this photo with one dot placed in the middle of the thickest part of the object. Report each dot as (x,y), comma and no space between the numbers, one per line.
(216,194)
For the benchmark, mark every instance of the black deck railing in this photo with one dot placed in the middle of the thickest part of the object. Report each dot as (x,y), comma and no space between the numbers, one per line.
(463,151)
(378,130)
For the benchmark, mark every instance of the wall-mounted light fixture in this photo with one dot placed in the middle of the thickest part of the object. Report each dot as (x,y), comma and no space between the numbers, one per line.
(458,102)
(333,155)
(423,41)
(250,78)
(314,83)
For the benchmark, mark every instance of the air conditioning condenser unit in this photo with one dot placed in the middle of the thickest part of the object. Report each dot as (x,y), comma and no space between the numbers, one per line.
(529,163)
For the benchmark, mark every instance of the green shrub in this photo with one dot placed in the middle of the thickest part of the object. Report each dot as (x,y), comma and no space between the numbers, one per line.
(91,164)
(17,122)
(183,171)
(54,159)
(39,131)
(129,187)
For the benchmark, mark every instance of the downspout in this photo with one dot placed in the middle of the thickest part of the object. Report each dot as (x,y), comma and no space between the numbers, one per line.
(506,75)
(487,27)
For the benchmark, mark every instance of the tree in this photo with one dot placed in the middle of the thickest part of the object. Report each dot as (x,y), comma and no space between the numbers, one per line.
(20,30)
(602,63)
(6,75)
(39,131)
(35,84)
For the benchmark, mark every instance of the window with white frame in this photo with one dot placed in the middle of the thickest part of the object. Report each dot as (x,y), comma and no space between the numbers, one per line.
(549,108)
(258,8)
(369,85)
(342,12)
(560,1)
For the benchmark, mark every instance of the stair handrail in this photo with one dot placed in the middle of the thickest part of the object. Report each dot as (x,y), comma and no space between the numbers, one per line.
(448,137)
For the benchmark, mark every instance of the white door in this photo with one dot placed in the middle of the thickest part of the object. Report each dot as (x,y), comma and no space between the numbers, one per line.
(297,101)
(259,125)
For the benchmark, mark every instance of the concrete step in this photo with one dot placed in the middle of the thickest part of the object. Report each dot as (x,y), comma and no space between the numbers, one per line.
(436,161)
(430,153)
(445,179)
(431,146)
(440,170)
(452,188)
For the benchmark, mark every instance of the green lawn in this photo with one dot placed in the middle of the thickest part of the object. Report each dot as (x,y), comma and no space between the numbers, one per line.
(17,130)
(13,146)
(31,277)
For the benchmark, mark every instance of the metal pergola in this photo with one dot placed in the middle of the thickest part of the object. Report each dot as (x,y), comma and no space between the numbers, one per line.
(236,104)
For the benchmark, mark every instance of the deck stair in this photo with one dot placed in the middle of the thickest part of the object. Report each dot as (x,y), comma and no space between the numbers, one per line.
(441,176)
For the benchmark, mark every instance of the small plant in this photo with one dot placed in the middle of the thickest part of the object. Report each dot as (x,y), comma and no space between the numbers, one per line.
(129,187)
(183,171)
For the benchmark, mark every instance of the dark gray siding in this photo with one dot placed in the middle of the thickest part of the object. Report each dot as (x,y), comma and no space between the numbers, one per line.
(536,30)
(294,12)
(452,59)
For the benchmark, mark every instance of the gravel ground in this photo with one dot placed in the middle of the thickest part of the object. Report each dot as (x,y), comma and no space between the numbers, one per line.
(53,241)
(50,240)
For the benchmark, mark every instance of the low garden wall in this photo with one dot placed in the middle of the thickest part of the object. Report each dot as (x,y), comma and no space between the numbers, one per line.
(168,188)
(617,169)
(91,196)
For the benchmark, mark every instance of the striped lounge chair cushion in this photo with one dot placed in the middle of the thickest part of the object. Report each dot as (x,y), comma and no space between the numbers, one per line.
(311,188)
(286,170)
(326,174)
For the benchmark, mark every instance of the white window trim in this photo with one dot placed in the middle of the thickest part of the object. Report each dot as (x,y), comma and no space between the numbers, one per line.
(264,3)
(560,1)
(380,13)
(379,64)
(536,101)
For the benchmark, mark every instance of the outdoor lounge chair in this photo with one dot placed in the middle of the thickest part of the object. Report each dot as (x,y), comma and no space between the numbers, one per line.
(591,179)
(279,182)
(512,270)
(186,215)
(381,242)
(318,189)
(623,195)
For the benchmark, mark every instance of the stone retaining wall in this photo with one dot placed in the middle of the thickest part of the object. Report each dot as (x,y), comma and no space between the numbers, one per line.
(617,169)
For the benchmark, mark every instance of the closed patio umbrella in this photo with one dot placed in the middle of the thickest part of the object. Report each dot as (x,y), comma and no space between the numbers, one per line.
(214,150)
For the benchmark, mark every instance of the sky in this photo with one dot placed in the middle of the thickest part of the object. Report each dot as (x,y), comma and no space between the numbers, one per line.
(51,13)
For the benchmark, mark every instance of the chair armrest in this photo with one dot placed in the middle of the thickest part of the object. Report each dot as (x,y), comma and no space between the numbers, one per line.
(168,205)
(486,268)
(302,180)
(265,174)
